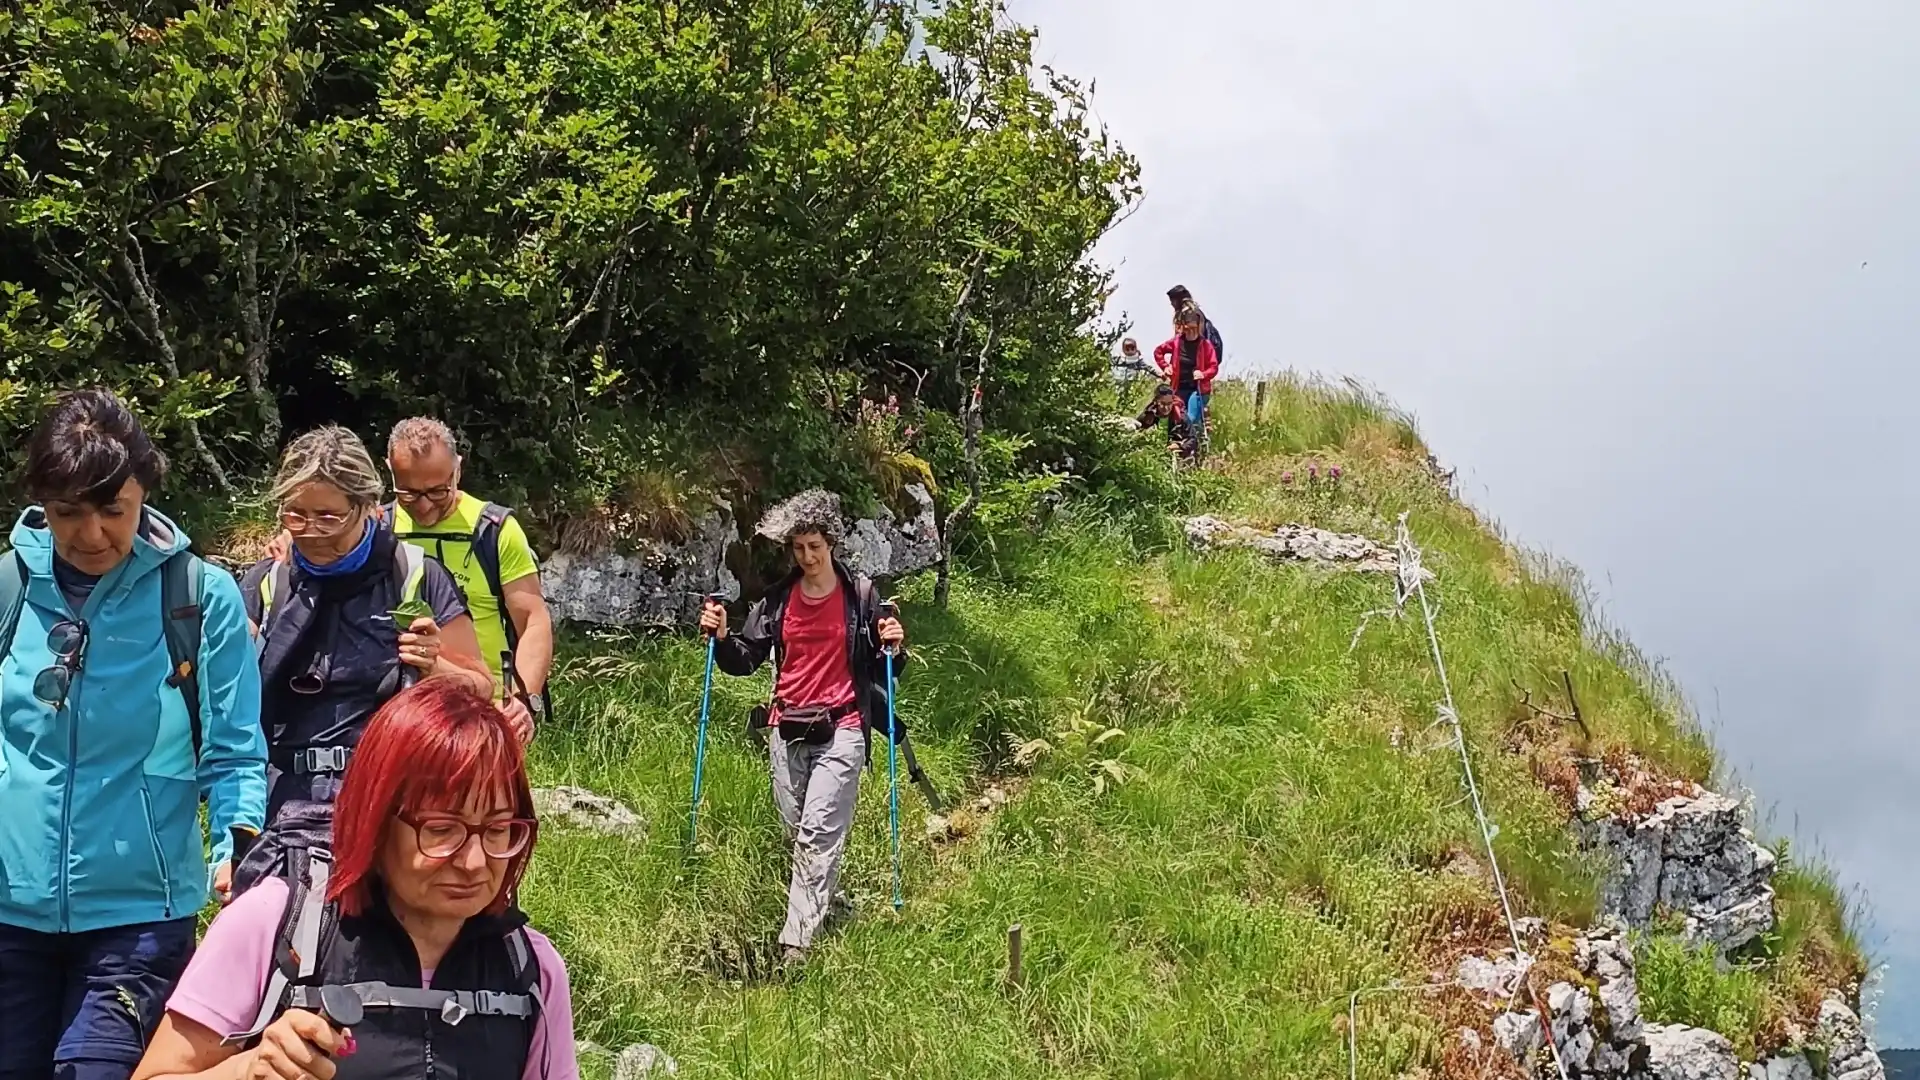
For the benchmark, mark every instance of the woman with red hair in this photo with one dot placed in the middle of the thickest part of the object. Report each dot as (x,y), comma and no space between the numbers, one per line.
(403,955)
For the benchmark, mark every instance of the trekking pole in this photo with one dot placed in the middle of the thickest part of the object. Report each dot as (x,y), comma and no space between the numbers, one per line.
(700,743)
(888,609)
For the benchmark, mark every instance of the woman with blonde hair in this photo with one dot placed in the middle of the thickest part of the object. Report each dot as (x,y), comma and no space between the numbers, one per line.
(351,619)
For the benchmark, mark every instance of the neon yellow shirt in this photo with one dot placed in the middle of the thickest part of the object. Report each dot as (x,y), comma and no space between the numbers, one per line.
(451,542)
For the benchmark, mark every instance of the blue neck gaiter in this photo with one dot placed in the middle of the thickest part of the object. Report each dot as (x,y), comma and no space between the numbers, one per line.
(349,563)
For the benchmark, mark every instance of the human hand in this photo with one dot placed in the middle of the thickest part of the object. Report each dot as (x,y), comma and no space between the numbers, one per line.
(713,619)
(223,883)
(519,718)
(420,644)
(892,634)
(297,1046)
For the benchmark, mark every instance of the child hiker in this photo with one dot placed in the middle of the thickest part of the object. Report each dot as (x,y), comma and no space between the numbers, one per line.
(823,627)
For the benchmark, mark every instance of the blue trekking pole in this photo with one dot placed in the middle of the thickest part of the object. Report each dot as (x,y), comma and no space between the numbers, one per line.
(700,743)
(890,610)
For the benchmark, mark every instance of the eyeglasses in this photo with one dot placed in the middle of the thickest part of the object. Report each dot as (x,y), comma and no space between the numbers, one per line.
(432,494)
(317,525)
(444,837)
(67,641)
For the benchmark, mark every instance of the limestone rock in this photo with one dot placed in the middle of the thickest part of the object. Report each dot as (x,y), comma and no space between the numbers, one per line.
(1518,1034)
(662,584)
(656,584)
(582,809)
(1293,543)
(1694,856)
(1783,1067)
(883,547)
(1495,978)
(1677,1052)
(643,1060)
(1849,1055)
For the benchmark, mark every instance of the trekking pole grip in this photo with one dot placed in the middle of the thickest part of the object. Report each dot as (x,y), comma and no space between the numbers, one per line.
(889,610)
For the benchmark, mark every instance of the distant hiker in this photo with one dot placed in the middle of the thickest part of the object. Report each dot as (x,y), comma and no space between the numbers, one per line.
(1179,297)
(413,916)
(824,629)
(352,618)
(1166,405)
(484,546)
(128,695)
(488,553)
(1130,361)
(1188,362)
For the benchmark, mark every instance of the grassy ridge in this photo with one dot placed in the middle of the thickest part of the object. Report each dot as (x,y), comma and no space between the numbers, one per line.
(1286,825)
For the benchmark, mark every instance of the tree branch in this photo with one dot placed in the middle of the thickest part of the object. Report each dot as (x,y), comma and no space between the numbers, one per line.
(1526,701)
(133,264)
(972,422)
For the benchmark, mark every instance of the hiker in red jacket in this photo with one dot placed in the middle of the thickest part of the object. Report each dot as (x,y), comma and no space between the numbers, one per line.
(1189,363)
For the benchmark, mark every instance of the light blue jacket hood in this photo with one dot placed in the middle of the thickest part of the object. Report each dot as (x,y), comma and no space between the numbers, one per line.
(99,799)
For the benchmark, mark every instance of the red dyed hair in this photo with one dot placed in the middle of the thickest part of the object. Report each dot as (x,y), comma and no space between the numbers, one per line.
(432,747)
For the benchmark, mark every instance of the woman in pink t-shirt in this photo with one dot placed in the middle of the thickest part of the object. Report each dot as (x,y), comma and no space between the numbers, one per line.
(833,646)
(422,965)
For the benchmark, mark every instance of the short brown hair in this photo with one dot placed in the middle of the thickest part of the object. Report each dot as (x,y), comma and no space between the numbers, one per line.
(88,445)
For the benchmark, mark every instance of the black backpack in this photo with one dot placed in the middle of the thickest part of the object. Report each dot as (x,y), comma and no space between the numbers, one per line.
(179,603)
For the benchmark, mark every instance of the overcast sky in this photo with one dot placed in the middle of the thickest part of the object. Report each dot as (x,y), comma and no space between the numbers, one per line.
(1649,273)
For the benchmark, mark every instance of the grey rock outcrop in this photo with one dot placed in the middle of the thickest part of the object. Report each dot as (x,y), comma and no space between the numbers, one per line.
(883,547)
(1849,1055)
(655,584)
(1599,1033)
(1694,856)
(1292,543)
(644,1060)
(662,584)
(1676,1052)
(1782,1067)
(582,809)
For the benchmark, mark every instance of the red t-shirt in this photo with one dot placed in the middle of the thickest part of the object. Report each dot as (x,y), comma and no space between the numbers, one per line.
(815,669)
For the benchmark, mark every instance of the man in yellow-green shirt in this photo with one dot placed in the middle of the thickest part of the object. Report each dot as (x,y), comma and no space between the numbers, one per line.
(467,534)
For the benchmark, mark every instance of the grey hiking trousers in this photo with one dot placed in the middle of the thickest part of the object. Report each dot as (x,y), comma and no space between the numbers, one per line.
(815,788)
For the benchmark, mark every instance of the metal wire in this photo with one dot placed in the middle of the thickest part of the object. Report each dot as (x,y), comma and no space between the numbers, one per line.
(1410,583)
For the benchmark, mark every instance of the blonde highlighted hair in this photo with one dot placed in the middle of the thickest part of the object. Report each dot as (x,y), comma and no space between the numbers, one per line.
(329,455)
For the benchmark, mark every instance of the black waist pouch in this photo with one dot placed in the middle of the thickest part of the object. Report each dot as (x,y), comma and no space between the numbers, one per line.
(810,724)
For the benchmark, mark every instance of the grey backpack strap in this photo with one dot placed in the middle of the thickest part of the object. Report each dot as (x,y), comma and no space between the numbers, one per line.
(451,1006)
(487,528)
(13,598)
(306,907)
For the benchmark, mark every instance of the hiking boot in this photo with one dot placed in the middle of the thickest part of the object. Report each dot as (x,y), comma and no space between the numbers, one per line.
(792,958)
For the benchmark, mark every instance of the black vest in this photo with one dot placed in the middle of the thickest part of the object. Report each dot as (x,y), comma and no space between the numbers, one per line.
(340,629)
(414,1044)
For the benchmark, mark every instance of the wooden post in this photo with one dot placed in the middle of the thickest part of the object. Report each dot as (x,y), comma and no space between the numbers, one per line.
(1015,978)
(1259,402)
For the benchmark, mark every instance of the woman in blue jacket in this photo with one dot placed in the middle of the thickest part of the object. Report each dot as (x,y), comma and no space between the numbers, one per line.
(129,692)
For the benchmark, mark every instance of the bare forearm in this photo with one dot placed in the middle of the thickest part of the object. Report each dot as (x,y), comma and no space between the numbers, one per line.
(533,659)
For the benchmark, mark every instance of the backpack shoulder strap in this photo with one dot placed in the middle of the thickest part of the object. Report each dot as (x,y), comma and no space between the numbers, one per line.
(409,570)
(526,966)
(180,578)
(486,548)
(13,597)
(296,948)
(276,586)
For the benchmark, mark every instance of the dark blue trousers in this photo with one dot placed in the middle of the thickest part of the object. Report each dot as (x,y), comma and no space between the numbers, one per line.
(82,1006)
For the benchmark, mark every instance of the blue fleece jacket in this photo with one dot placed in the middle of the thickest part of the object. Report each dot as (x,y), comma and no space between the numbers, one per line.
(99,801)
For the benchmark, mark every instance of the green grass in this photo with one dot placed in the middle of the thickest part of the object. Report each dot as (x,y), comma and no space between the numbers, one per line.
(1277,841)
